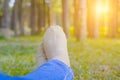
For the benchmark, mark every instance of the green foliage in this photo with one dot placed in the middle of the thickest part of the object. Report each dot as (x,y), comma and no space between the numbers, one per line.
(1,7)
(90,59)
(2,37)
(95,59)
(16,59)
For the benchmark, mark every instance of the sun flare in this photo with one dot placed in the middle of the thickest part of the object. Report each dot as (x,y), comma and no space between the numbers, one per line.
(101,9)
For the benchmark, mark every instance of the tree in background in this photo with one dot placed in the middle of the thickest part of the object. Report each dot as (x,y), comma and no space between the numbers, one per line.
(83,26)
(5,22)
(113,19)
(65,7)
(1,12)
(77,18)
(5,28)
(91,19)
(41,15)
(20,16)
(80,19)
(36,15)
(17,17)
(33,17)
(14,19)
(98,14)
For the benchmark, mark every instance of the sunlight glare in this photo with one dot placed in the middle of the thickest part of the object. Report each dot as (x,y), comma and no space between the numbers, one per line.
(106,9)
(99,9)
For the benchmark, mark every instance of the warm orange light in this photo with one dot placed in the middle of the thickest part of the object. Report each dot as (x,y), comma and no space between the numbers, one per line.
(99,8)
(106,9)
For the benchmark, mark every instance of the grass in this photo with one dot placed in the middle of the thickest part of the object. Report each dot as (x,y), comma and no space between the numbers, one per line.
(91,59)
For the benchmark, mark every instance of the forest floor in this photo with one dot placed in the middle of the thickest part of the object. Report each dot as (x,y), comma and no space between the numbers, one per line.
(91,59)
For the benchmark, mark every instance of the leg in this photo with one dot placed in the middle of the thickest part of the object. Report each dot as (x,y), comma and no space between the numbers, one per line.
(55,44)
(55,47)
(41,57)
(52,70)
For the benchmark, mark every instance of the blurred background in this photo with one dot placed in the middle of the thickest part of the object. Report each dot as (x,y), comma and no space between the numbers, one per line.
(91,26)
(79,18)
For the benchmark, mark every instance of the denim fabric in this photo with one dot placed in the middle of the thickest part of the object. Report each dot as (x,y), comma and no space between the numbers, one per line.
(52,70)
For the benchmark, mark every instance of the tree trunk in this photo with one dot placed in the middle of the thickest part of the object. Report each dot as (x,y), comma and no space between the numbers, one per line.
(33,17)
(77,19)
(41,16)
(21,22)
(83,19)
(14,19)
(113,19)
(91,19)
(80,19)
(97,20)
(0,21)
(47,8)
(5,22)
(5,30)
(65,6)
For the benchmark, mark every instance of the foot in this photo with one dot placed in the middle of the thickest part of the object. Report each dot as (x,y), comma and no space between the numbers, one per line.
(55,44)
(41,57)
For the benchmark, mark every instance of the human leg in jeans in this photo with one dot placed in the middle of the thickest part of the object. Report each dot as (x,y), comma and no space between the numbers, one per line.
(54,53)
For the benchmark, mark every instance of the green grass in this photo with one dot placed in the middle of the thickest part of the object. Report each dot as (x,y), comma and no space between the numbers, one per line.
(91,59)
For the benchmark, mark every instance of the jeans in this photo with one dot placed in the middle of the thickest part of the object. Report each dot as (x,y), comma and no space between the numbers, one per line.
(51,70)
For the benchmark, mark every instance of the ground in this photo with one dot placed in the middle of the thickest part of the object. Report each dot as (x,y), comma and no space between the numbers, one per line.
(91,59)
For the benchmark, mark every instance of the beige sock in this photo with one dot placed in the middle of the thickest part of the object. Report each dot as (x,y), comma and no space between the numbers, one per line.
(55,44)
(41,57)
